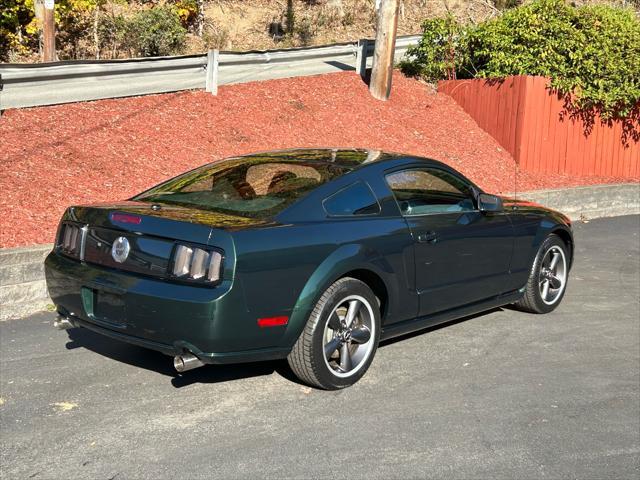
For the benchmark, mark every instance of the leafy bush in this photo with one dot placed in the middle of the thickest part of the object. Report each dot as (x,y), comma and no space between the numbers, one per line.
(590,53)
(19,29)
(74,21)
(187,11)
(439,54)
(113,28)
(157,32)
(15,17)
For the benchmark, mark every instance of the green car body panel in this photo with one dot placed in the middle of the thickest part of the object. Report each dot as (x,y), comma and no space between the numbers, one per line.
(279,265)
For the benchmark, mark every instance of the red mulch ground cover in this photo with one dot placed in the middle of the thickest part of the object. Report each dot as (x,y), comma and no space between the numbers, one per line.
(53,157)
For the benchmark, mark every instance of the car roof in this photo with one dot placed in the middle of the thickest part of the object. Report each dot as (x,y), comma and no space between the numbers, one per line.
(344,157)
(350,159)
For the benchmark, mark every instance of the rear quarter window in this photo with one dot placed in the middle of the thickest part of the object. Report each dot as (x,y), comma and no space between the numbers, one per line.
(356,199)
(256,187)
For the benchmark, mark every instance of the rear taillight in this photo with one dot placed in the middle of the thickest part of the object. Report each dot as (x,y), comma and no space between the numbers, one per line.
(70,239)
(196,264)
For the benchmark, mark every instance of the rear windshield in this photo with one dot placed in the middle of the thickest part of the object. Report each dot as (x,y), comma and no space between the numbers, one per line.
(257,187)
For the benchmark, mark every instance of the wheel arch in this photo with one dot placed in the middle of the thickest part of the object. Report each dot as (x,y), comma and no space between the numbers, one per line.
(350,260)
(567,238)
(375,283)
(552,225)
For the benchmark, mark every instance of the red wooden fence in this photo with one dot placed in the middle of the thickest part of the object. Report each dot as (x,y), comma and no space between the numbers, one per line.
(528,121)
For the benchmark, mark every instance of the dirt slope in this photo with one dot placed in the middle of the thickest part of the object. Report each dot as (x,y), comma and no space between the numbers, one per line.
(53,157)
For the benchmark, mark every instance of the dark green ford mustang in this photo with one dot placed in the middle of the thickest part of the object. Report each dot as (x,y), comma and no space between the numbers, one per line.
(310,255)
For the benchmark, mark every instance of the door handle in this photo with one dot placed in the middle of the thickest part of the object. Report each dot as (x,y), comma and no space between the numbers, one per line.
(428,237)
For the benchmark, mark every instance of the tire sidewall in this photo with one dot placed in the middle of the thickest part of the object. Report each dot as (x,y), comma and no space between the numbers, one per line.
(323,372)
(550,241)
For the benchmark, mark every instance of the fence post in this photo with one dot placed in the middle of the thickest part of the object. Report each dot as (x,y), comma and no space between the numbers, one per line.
(361,57)
(211,84)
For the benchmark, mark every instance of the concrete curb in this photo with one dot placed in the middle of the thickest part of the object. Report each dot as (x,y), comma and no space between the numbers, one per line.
(582,203)
(23,289)
(22,286)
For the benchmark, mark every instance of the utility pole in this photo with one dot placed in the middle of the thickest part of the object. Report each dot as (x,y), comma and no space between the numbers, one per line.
(38,10)
(49,32)
(386,28)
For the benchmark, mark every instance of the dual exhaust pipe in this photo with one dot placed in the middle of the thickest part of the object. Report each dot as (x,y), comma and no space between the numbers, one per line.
(62,323)
(186,361)
(182,363)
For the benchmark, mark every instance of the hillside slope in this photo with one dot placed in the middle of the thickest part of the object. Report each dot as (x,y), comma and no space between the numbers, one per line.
(53,157)
(242,25)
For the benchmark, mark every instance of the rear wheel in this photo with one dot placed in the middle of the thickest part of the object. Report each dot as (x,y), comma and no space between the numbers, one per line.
(341,337)
(548,278)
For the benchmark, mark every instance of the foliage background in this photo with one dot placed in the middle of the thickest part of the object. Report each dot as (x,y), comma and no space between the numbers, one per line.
(98,28)
(102,28)
(591,53)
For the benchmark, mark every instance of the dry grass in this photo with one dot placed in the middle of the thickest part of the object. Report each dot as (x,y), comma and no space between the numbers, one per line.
(242,25)
(250,25)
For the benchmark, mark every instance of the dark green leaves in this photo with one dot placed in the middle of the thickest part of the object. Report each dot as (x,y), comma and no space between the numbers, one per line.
(590,53)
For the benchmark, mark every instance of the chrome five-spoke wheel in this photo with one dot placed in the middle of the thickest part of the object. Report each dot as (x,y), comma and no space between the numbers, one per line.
(553,275)
(340,337)
(348,340)
(548,276)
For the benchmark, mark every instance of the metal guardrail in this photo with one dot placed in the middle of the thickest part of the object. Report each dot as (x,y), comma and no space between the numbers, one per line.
(30,85)
(52,83)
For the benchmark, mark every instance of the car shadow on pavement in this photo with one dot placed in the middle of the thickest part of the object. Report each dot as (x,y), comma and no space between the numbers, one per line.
(163,364)
(450,323)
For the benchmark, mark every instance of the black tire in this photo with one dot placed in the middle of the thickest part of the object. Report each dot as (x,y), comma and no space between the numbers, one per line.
(532,301)
(307,358)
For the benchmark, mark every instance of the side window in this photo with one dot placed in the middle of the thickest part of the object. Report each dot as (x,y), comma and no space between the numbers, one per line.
(356,199)
(430,190)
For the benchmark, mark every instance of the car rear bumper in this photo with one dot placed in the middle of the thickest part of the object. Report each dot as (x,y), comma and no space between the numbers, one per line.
(180,347)
(210,322)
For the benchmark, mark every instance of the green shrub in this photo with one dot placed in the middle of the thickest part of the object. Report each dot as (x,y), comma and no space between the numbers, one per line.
(439,55)
(604,68)
(187,11)
(157,32)
(113,29)
(74,22)
(590,53)
(15,38)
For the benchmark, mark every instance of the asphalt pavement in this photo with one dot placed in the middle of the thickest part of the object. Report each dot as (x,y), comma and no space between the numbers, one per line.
(500,395)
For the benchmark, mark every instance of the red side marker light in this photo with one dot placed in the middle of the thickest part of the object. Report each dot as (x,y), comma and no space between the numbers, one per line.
(272,321)
(126,218)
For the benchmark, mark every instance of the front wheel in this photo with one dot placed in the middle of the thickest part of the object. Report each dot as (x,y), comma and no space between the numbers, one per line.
(548,278)
(341,337)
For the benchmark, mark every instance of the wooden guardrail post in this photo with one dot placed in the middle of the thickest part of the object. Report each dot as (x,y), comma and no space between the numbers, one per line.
(211,84)
(361,57)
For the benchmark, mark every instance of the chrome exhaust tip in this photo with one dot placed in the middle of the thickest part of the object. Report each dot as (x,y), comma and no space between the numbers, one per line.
(62,323)
(186,361)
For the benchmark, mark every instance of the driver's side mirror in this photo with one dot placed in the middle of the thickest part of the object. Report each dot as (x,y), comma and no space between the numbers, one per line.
(489,203)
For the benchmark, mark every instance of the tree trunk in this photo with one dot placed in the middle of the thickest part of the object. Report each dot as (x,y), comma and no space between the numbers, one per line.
(38,7)
(96,38)
(200,18)
(290,17)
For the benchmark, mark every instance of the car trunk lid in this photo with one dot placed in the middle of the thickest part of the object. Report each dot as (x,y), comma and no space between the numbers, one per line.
(141,237)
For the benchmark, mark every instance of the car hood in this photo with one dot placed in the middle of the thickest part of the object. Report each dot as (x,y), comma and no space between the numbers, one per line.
(526,206)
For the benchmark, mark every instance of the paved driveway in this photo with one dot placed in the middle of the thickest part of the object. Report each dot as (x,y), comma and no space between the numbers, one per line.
(501,395)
